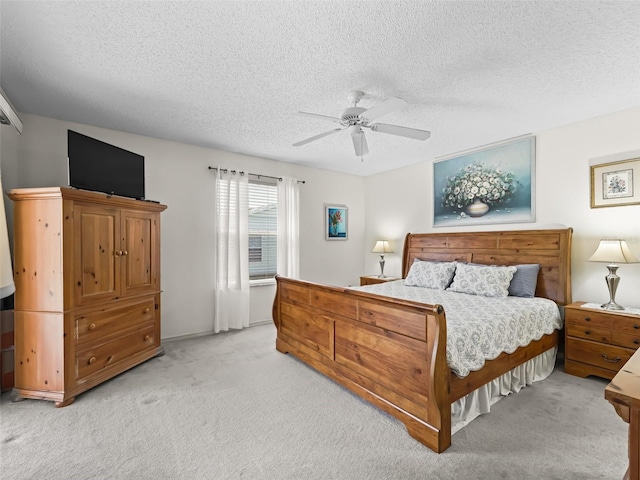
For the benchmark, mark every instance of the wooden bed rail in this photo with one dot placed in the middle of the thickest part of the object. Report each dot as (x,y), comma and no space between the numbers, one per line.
(390,352)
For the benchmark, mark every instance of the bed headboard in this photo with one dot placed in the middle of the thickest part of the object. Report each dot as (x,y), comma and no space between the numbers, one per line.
(549,248)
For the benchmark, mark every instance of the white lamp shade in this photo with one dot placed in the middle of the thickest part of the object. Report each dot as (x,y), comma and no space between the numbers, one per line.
(7,287)
(613,251)
(382,246)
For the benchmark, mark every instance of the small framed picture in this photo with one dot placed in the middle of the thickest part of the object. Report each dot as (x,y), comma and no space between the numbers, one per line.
(336,222)
(615,184)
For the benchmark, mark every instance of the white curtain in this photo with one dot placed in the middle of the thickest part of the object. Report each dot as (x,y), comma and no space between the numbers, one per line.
(231,252)
(288,228)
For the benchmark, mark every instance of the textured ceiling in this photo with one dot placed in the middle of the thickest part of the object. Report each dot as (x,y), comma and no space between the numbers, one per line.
(229,75)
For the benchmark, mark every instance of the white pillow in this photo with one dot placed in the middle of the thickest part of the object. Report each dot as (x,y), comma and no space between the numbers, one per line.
(430,274)
(486,280)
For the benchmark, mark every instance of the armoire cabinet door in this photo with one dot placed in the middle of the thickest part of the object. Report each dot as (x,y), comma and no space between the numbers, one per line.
(87,308)
(97,256)
(140,268)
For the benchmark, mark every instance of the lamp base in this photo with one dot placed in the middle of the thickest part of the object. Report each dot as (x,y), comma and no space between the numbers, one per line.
(612,306)
(612,283)
(382,275)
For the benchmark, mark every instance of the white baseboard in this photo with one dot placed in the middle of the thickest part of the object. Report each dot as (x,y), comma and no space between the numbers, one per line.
(203,334)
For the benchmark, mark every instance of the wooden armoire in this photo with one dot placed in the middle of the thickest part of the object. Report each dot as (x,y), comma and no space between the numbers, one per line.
(87,301)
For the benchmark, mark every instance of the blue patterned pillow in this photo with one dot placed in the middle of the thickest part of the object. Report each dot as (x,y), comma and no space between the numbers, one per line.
(524,281)
(486,280)
(430,274)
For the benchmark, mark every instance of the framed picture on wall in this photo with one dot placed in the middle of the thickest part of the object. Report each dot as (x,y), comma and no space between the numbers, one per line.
(336,222)
(492,184)
(615,183)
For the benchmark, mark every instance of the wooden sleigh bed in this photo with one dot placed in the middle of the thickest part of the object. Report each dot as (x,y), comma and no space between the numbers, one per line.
(392,352)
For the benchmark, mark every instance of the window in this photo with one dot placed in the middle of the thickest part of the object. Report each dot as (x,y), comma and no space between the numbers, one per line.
(255,248)
(263,228)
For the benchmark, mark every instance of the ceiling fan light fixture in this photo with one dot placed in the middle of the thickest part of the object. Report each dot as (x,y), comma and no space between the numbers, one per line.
(359,141)
(355,130)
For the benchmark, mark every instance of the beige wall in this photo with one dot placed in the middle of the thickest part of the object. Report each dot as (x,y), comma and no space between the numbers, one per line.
(401,201)
(397,202)
(177,175)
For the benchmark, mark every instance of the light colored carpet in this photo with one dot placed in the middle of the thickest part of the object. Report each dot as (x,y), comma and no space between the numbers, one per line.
(230,406)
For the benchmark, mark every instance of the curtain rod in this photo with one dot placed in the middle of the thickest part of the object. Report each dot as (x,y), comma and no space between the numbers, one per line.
(224,170)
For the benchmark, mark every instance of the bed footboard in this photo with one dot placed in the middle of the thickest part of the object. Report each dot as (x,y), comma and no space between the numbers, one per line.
(389,352)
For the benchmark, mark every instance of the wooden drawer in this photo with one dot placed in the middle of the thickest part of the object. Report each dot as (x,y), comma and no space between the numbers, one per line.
(592,353)
(588,333)
(110,353)
(108,320)
(627,325)
(626,340)
(588,318)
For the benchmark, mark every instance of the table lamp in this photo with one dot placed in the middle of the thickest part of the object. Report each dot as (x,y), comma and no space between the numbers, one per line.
(382,247)
(613,252)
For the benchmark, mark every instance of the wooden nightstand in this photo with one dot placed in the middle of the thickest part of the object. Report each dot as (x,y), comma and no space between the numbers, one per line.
(373,279)
(598,342)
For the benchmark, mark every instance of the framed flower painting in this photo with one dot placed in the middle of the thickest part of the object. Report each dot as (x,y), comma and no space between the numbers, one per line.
(615,183)
(336,222)
(494,184)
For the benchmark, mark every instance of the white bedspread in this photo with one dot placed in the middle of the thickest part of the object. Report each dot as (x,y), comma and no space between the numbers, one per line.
(480,328)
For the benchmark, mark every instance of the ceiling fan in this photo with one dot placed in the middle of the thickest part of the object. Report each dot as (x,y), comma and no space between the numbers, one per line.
(356,118)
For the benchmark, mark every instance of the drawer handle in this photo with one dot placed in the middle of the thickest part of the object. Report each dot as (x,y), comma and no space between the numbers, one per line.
(614,360)
(92,326)
(587,319)
(636,342)
(587,332)
(124,252)
(146,310)
(117,253)
(110,358)
(92,360)
(636,326)
(146,337)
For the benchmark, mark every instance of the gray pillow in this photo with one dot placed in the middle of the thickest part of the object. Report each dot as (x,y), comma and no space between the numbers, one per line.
(524,281)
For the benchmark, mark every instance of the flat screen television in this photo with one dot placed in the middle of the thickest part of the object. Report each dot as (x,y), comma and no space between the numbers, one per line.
(101,167)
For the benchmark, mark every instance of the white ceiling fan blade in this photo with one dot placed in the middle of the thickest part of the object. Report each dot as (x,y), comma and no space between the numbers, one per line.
(316,137)
(389,105)
(359,142)
(401,131)
(320,117)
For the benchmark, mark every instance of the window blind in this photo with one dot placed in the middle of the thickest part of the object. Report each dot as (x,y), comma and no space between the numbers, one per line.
(263,228)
